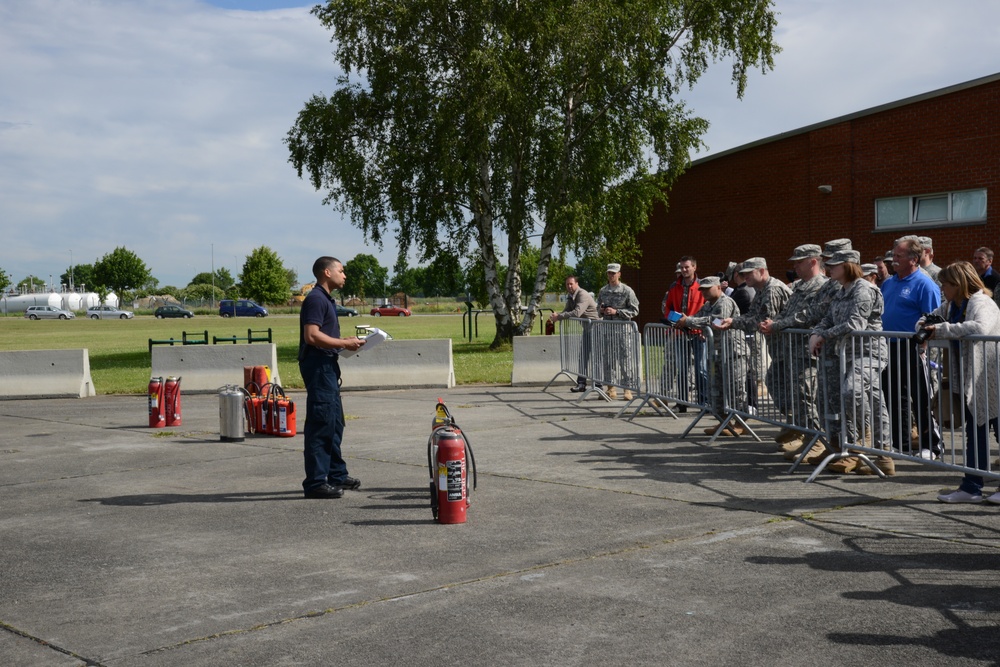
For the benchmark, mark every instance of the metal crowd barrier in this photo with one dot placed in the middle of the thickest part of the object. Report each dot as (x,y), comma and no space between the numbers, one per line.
(574,350)
(676,369)
(868,394)
(938,428)
(604,352)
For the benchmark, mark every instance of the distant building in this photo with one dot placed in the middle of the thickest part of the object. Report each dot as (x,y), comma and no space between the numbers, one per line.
(925,165)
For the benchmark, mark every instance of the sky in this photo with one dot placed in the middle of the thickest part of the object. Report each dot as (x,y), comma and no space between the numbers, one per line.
(158,125)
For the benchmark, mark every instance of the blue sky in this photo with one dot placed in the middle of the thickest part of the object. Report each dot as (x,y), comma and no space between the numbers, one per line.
(158,124)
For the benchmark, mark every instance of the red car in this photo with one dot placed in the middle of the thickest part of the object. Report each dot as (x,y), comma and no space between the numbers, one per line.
(388,311)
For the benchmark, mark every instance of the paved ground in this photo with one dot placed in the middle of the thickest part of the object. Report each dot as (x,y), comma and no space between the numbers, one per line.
(590,541)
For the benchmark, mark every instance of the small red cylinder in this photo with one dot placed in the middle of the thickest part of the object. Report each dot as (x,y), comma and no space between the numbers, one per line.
(172,401)
(452,482)
(157,417)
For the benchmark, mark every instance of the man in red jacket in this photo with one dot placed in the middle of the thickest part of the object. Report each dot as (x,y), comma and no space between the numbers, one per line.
(685,298)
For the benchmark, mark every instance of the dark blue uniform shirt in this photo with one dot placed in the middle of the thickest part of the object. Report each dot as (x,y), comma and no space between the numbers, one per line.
(321,309)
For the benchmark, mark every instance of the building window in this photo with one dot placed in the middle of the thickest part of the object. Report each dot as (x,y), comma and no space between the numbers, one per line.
(965,206)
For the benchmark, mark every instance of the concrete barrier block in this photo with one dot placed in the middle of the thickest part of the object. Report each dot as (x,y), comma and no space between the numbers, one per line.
(45,374)
(400,364)
(536,360)
(205,368)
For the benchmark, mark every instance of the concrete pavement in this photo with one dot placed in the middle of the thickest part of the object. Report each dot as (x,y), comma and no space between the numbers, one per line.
(590,541)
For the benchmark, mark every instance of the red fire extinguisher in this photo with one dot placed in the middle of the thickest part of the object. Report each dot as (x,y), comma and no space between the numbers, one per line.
(281,413)
(449,456)
(157,418)
(172,401)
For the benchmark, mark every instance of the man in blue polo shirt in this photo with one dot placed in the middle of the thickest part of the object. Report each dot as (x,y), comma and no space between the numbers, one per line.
(319,349)
(908,295)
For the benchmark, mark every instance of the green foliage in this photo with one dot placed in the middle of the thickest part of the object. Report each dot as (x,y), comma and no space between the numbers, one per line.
(5,280)
(203,292)
(30,283)
(365,277)
(483,121)
(82,274)
(264,278)
(407,280)
(121,270)
(444,276)
(223,279)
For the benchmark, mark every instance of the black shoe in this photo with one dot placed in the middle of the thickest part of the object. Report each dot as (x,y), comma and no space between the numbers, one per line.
(578,388)
(324,491)
(349,483)
(680,407)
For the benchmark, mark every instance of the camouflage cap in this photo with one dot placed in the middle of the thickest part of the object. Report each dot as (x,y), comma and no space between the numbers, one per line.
(709,281)
(836,245)
(753,263)
(805,252)
(926,242)
(614,268)
(842,256)
(868,269)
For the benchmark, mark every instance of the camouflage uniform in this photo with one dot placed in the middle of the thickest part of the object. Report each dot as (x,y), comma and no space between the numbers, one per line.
(727,368)
(858,387)
(793,370)
(767,305)
(620,360)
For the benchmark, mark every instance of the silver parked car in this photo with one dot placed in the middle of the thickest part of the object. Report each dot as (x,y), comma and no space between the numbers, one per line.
(109,313)
(48,313)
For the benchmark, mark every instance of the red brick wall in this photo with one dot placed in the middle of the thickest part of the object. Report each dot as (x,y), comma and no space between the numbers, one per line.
(764,200)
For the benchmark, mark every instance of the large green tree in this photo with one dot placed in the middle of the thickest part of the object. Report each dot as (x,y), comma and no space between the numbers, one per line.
(120,270)
(5,280)
(485,122)
(365,277)
(264,277)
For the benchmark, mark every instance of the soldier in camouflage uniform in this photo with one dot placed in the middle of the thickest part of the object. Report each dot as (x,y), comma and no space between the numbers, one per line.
(792,369)
(853,398)
(810,301)
(728,371)
(617,301)
(772,295)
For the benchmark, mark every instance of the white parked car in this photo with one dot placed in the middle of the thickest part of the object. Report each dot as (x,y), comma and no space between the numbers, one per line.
(48,313)
(109,313)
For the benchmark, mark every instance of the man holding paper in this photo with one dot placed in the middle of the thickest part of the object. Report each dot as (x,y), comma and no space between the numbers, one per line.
(320,346)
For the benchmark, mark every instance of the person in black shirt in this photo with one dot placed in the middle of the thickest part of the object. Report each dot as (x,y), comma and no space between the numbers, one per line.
(319,349)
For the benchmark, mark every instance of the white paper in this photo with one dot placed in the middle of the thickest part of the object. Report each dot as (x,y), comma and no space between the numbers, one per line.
(374,337)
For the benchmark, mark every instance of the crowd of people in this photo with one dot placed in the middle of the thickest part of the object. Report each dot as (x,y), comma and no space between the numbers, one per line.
(883,398)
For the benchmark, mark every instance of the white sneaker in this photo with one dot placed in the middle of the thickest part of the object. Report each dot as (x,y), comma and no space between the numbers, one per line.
(994,499)
(961,496)
(926,455)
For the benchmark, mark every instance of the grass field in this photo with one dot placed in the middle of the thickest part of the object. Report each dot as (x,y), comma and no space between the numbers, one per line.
(120,359)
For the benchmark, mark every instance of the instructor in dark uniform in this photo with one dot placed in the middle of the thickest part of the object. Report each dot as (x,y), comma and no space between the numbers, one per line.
(319,350)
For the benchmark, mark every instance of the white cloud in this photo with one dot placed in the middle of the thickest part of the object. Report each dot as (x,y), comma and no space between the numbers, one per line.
(841,57)
(159,125)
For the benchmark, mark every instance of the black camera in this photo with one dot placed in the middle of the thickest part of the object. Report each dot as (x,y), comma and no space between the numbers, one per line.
(924,333)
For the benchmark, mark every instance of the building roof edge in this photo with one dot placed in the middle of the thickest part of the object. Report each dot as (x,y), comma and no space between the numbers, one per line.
(981,81)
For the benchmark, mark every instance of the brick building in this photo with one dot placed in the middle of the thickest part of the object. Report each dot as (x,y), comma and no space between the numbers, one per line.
(923,165)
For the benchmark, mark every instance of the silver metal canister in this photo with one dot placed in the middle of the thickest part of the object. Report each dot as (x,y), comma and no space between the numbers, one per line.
(231,428)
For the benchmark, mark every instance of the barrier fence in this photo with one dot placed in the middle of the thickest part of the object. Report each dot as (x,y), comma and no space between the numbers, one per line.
(867,395)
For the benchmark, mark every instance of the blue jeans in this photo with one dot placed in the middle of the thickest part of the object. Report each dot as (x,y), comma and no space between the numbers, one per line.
(977,452)
(324,429)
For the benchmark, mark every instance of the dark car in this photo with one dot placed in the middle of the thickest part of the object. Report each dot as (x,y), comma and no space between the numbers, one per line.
(172,311)
(344,311)
(241,308)
(390,311)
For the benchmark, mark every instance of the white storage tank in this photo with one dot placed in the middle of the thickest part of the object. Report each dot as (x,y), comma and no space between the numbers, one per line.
(19,304)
